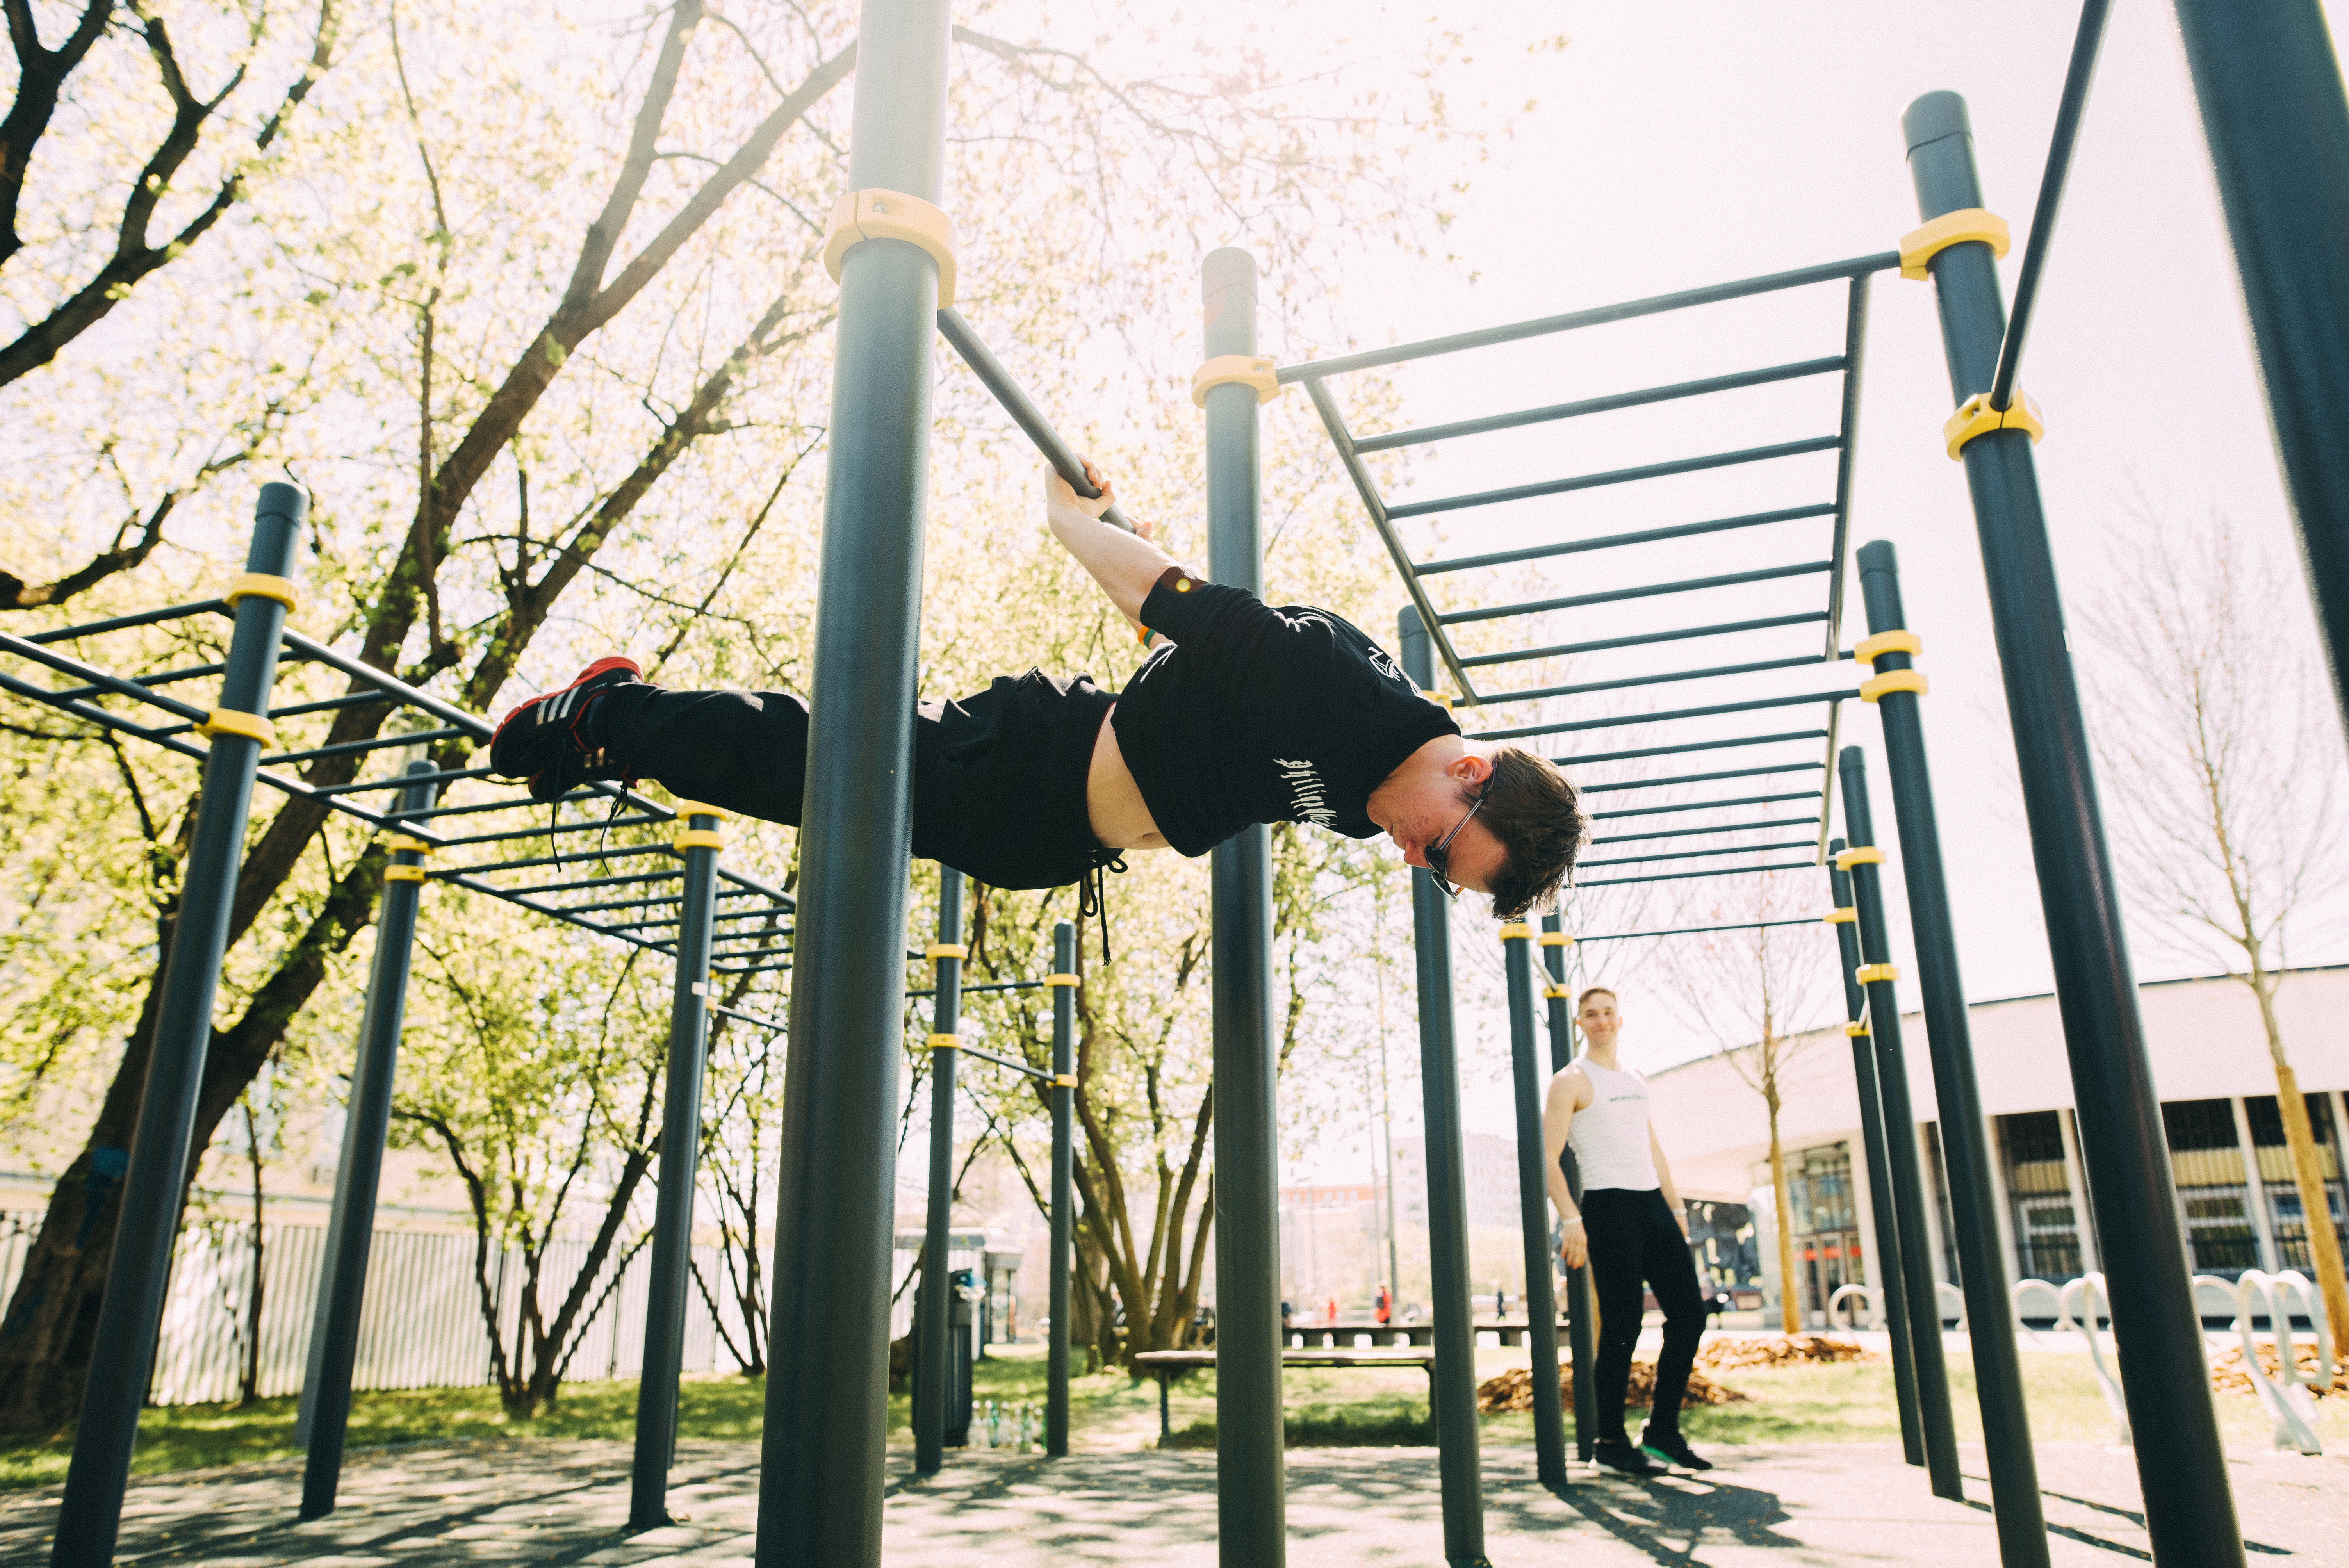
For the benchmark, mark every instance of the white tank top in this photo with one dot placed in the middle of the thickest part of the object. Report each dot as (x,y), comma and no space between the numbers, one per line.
(1610,1136)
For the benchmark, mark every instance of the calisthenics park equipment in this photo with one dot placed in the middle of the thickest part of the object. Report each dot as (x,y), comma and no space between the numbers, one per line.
(672,899)
(669,897)
(892,250)
(2189,1503)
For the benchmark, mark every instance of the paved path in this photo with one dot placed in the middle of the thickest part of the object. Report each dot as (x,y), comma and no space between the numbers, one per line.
(1784,1507)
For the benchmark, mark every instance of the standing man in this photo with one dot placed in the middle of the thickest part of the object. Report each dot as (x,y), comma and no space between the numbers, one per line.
(1630,1227)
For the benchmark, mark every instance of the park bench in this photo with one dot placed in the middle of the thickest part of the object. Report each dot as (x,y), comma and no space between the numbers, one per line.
(1165,1365)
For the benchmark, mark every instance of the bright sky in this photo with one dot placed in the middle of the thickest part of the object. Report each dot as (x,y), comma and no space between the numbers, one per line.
(1693,144)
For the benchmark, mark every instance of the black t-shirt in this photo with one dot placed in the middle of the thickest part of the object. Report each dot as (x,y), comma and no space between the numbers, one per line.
(1259,714)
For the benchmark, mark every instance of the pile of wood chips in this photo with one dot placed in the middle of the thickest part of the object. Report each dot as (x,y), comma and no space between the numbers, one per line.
(2227,1377)
(1514,1389)
(1742,1353)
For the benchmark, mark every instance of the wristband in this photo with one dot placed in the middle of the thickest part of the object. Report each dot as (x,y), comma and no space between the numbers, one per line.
(1576,1220)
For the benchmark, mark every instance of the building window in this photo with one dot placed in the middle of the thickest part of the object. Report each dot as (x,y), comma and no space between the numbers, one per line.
(1721,1239)
(2276,1174)
(2039,1193)
(2207,1161)
(1824,1223)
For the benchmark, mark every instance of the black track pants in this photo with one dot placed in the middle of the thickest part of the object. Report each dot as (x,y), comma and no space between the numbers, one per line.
(1634,1238)
(998,777)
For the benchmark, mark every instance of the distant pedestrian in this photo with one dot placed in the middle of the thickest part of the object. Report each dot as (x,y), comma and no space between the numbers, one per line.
(1629,1226)
(1384,1311)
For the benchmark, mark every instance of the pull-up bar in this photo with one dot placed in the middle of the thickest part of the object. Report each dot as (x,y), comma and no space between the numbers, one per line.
(1693,930)
(1023,408)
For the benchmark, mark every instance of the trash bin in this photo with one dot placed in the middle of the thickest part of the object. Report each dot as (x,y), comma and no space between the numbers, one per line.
(960,1310)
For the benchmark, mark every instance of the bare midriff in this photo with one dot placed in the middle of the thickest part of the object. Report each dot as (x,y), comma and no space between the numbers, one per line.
(1114,808)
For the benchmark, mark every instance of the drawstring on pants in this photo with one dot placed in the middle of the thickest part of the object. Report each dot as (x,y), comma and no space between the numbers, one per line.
(1092,896)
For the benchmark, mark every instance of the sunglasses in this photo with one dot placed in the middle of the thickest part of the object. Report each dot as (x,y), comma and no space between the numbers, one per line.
(1439,857)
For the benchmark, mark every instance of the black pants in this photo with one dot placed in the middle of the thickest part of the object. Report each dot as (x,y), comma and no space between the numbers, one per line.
(1634,1238)
(999,779)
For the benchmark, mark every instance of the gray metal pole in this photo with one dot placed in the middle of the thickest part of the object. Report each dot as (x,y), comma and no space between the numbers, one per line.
(1876,977)
(1578,1334)
(827,1387)
(151,1187)
(1890,1245)
(680,1152)
(1533,1203)
(1063,982)
(2190,1505)
(325,1409)
(1251,1498)
(2267,80)
(934,1329)
(1965,1142)
(1454,1394)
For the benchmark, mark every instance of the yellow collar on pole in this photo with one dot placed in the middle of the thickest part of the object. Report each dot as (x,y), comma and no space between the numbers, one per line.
(878,214)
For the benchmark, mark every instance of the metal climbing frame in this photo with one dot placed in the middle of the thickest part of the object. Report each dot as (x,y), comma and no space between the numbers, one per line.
(1672,727)
(640,873)
(1653,811)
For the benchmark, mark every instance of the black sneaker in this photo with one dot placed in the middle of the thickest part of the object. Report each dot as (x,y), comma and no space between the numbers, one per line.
(1620,1455)
(1673,1450)
(545,740)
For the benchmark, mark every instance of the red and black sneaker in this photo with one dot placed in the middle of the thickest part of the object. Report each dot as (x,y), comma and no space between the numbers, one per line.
(545,739)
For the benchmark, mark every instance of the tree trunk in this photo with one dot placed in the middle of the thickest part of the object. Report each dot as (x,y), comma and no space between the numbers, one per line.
(1790,1289)
(248,1383)
(2308,1177)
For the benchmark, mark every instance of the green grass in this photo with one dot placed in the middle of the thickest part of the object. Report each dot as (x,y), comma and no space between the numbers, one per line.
(1350,1408)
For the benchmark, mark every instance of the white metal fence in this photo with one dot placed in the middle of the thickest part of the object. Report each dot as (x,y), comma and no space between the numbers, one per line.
(421,1327)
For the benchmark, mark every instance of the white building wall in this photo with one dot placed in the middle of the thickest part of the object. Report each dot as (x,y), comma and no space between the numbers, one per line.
(2204,1038)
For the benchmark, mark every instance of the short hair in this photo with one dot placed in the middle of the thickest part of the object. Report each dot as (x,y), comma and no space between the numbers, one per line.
(1584,1000)
(1537,817)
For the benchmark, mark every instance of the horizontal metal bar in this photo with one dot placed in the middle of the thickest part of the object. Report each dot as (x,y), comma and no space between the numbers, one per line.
(472,725)
(1649,591)
(1701,833)
(1603,405)
(351,747)
(620,854)
(90,676)
(751,969)
(1007,1062)
(1703,805)
(1688,745)
(1722,871)
(402,781)
(163,677)
(751,1018)
(751,887)
(328,705)
(670,874)
(77,709)
(1702,777)
(1619,721)
(1701,854)
(1023,408)
(1694,931)
(1006,985)
(742,952)
(1666,678)
(551,829)
(1519,656)
(121,622)
(1542,326)
(1617,477)
(511,803)
(1618,541)
(519,899)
